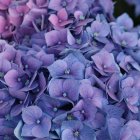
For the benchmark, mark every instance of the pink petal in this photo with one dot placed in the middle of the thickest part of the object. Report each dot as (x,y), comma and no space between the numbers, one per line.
(53,19)
(62,14)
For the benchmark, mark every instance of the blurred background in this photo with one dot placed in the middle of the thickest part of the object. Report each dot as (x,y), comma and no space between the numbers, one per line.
(121,6)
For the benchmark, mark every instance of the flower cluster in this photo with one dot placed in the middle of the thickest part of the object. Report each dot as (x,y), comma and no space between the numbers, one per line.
(68,71)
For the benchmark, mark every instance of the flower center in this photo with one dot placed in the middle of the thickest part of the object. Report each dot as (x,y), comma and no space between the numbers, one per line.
(37,90)
(59,42)
(95,34)
(6,27)
(109,87)
(59,20)
(104,66)
(64,94)
(26,66)
(20,102)
(76,133)
(82,17)
(83,111)
(69,117)
(123,43)
(19,79)
(8,117)
(55,109)
(78,41)
(44,47)
(38,121)
(67,71)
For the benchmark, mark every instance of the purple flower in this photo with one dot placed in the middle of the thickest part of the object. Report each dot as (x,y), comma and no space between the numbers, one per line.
(108,6)
(99,121)
(51,106)
(125,39)
(82,111)
(114,127)
(131,96)
(9,54)
(29,65)
(130,131)
(16,13)
(15,78)
(47,59)
(36,123)
(67,89)
(130,93)
(77,43)
(55,37)
(59,4)
(99,29)
(105,62)
(125,21)
(87,91)
(126,62)
(7,126)
(75,130)
(134,53)
(67,68)
(82,6)
(131,80)
(81,21)
(112,87)
(60,20)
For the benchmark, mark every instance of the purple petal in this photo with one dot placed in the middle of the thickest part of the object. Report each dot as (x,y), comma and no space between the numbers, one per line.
(16,110)
(78,74)
(11,78)
(26,130)
(43,129)
(125,21)
(52,38)
(31,114)
(71,87)
(55,5)
(62,14)
(68,135)
(29,62)
(87,133)
(56,88)
(5,65)
(57,68)
(53,19)
(86,91)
